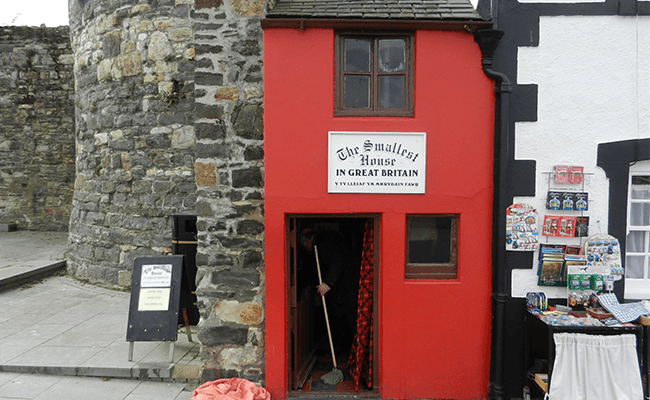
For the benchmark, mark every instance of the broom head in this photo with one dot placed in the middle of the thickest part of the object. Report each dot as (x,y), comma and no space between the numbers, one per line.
(333,377)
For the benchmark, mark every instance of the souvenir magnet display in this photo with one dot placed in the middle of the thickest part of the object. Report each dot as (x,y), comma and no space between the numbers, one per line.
(581,201)
(567,201)
(604,251)
(576,174)
(553,201)
(582,226)
(555,225)
(562,174)
(569,174)
(521,228)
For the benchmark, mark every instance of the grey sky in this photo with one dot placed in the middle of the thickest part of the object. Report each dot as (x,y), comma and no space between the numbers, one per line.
(34,12)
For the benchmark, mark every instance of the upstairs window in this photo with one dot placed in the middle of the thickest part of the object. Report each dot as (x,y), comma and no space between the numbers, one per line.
(374,75)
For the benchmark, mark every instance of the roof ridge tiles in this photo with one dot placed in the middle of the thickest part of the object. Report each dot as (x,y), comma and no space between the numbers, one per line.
(376,9)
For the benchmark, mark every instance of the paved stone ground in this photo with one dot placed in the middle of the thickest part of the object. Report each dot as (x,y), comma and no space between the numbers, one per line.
(63,339)
(24,252)
(16,386)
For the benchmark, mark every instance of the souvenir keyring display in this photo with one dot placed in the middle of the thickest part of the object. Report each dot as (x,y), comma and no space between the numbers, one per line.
(605,251)
(521,228)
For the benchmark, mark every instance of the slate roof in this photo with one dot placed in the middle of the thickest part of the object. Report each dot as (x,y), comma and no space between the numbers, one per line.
(438,10)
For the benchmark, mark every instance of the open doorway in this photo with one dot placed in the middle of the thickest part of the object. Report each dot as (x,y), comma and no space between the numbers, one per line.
(337,239)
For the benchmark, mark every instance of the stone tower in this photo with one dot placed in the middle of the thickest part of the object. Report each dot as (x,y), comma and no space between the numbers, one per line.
(169,121)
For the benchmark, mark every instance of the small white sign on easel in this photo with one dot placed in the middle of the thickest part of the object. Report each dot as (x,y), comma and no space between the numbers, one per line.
(156,275)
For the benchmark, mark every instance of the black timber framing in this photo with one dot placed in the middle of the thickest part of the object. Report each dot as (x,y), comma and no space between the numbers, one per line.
(520,23)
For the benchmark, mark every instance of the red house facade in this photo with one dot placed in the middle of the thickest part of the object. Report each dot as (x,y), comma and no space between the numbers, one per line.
(379,125)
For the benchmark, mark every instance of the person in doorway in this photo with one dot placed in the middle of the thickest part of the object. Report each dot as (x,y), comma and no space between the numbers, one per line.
(340,275)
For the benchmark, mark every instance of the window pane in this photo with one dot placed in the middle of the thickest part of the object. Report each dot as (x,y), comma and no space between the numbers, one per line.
(429,240)
(636,242)
(392,55)
(391,91)
(640,214)
(640,192)
(640,187)
(357,55)
(357,91)
(634,267)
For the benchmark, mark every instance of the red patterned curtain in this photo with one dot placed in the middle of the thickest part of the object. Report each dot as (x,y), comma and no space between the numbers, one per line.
(360,361)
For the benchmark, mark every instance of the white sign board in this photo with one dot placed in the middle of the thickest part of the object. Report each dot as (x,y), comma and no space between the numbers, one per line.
(156,275)
(376,162)
(154,300)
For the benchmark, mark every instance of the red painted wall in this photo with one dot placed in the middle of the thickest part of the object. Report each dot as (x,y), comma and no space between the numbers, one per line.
(434,336)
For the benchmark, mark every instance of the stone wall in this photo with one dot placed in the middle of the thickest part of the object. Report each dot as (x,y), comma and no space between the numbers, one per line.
(169,121)
(37,135)
(134,71)
(229,176)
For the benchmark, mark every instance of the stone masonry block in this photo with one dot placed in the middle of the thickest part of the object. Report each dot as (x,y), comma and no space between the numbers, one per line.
(207,4)
(209,131)
(251,259)
(249,227)
(239,243)
(124,278)
(209,111)
(248,8)
(208,79)
(212,150)
(236,278)
(253,153)
(205,173)
(226,93)
(250,177)
(248,121)
(129,64)
(247,48)
(201,49)
(222,335)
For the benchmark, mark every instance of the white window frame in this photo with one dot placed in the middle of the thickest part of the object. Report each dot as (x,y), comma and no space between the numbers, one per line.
(637,289)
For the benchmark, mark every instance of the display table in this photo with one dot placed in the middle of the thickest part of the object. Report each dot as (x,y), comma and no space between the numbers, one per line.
(540,347)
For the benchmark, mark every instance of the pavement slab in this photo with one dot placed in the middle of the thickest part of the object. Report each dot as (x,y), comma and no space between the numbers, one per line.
(64,339)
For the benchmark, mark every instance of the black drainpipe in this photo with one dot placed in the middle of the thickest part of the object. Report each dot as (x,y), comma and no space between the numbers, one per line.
(488,39)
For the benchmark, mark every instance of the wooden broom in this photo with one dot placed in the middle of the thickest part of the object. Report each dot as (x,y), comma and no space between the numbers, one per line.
(336,375)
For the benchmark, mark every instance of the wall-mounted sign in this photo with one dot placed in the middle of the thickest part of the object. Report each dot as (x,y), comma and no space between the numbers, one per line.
(376,162)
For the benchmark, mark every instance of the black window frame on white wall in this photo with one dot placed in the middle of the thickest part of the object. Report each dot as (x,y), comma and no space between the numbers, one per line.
(637,259)
(615,159)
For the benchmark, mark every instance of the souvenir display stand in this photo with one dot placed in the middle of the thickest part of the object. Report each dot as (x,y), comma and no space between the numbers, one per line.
(539,355)
(588,266)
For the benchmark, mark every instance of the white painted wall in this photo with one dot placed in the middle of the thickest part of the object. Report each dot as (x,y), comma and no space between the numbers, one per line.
(593,74)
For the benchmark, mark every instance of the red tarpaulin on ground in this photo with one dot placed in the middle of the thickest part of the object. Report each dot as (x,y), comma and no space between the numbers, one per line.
(230,389)
(360,361)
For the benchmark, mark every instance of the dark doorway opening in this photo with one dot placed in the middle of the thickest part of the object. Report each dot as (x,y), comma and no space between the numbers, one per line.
(311,355)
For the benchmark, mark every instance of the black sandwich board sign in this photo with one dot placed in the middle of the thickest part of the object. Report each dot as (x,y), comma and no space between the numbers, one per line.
(155,298)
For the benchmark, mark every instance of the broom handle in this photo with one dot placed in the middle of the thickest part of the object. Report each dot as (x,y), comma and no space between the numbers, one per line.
(327,319)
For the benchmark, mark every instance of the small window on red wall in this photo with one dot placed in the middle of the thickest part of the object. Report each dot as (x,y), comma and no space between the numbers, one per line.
(431,246)
(374,75)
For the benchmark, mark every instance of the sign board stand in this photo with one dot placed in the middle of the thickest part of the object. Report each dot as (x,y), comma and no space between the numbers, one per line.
(155,299)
